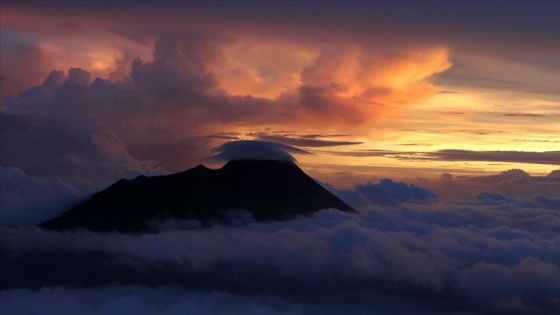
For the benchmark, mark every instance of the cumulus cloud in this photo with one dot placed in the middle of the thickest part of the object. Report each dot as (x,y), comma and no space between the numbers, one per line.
(27,201)
(412,257)
(78,149)
(513,183)
(349,71)
(255,150)
(158,113)
(179,66)
(162,109)
(26,67)
(50,163)
(388,192)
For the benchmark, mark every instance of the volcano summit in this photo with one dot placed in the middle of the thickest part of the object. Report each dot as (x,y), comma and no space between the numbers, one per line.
(268,189)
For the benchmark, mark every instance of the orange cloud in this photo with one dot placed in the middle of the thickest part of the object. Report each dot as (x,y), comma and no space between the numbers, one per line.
(33,44)
(353,84)
(343,85)
(261,68)
(361,73)
(200,80)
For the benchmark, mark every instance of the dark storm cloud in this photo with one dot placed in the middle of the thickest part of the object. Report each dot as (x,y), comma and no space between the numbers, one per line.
(158,114)
(73,149)
(179,67)
(429,257)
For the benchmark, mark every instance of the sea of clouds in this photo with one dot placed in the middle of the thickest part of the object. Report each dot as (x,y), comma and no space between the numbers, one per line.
(492,254)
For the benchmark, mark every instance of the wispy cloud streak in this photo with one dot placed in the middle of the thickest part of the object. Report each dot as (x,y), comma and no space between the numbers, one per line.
(548,157)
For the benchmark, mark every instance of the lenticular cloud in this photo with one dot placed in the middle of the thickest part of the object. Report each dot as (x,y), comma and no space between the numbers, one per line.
(489,255)
(255,150)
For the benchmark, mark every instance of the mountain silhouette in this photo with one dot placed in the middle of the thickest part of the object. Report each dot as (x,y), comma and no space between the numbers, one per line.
(268,189)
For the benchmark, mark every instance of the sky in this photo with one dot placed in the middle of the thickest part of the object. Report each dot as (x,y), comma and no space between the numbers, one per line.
(379,89)
(438,121)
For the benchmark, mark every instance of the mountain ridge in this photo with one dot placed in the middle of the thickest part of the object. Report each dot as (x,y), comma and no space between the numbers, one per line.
(270,190)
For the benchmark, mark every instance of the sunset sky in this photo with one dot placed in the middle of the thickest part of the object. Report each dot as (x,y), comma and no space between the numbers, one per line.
(372,89)
(437,121)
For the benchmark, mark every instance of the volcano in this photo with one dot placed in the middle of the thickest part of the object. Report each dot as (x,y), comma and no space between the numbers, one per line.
(269,190)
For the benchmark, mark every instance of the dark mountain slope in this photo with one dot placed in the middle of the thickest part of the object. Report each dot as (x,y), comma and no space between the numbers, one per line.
(270,190)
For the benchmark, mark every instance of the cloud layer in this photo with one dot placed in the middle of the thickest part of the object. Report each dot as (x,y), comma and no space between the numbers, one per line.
(26,201)
(432,256)
(547,157)
(513,183)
